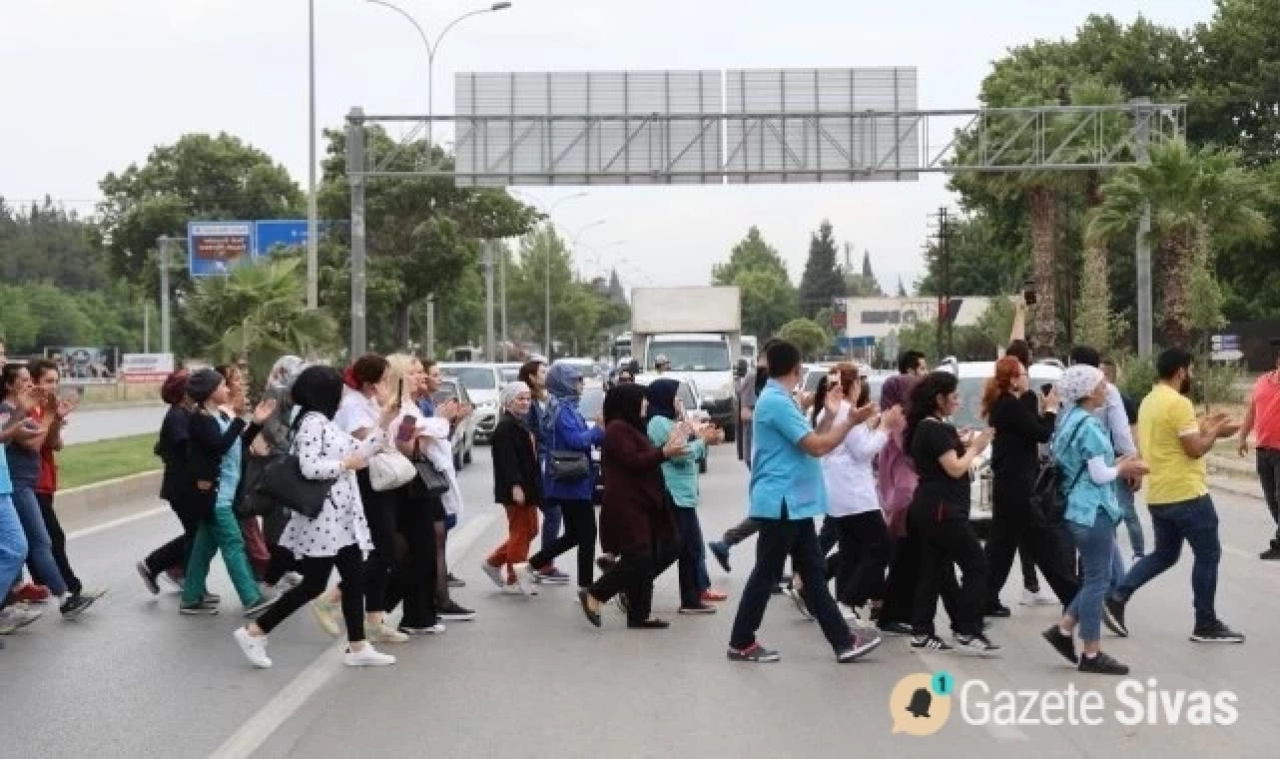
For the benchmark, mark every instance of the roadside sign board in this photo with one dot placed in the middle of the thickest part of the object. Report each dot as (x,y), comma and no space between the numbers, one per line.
(288,233)
(213,247)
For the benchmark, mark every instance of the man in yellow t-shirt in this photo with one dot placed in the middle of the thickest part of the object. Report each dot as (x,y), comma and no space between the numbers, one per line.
(1174,443)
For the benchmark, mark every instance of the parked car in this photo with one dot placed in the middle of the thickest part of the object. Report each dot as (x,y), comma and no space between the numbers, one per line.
(973,376)
(510,372)
(483,382)
(463,433)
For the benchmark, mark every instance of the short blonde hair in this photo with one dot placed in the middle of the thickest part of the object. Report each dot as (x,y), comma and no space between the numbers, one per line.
(399,367)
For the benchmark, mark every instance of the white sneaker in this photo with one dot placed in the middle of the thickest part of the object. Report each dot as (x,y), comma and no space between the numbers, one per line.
(1038,598)
(494,573)
(17,616)
(512,589)
(850,614)
(526,579)
(254,649)
(367,657)
(290,581)
(384,633)
(436,629)
(326,614)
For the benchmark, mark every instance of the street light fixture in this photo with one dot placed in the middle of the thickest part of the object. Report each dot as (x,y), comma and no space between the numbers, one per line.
(432,49)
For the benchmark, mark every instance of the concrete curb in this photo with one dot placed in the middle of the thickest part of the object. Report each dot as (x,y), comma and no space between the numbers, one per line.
(92,503)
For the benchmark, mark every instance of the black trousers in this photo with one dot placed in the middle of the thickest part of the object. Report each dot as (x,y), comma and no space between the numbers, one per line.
(380,513)
(690,531)
(580,533)
(778,539)
(634,574)
(315,578)
(945,544)
(58,539)
(413,580)
(1016,526)
(864,555)
(174,553)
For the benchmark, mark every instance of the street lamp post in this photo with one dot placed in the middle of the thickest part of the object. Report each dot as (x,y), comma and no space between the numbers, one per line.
(432,49)
(313,244)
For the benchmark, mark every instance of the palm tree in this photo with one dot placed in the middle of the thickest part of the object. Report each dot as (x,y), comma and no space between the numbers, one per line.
(1200,198)
(258,311)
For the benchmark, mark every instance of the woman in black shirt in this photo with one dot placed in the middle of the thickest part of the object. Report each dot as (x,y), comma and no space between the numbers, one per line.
(1014,413)
(939,515)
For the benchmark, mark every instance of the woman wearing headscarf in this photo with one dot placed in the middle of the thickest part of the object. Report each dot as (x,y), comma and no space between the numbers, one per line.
(171,448)
(276,439)
(213,472)
(339,535)
(517,487)
(1087,471)
(534,374)
(680,477)
(564,430)
(635,522)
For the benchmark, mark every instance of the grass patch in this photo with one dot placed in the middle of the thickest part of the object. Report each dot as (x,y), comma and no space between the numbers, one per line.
(87,463)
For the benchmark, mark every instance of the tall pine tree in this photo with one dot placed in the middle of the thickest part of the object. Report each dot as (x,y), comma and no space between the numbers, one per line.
(822,281)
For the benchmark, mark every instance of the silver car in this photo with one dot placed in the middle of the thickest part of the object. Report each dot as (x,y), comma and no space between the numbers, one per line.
(483,383)
(463,434)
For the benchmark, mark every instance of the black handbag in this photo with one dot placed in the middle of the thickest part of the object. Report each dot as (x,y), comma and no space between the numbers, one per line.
(565,465)
(435,482)
(283,483)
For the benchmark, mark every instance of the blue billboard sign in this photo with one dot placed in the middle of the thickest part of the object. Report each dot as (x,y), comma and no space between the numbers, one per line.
(213,247)
(288,233)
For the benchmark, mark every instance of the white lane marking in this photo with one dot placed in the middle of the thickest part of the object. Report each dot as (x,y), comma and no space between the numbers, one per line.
(121,522)
(264,723)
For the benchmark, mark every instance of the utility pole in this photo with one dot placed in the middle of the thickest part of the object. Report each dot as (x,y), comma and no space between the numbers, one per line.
(1142,256)
(355,175)
(490,350)
(313,255)
(502,296)
(943,237)
(163,245)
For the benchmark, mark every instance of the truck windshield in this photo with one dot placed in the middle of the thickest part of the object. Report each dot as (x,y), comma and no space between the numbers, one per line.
(693,356)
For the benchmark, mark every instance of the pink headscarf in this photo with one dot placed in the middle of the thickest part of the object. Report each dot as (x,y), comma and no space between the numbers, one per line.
(895,475)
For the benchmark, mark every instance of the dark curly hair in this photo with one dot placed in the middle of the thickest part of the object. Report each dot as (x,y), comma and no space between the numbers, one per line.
(924,401)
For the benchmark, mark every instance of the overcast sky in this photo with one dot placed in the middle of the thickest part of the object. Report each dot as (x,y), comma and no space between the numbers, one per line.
(90,86)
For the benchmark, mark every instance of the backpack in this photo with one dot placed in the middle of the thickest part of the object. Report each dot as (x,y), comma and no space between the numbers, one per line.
(1048,497)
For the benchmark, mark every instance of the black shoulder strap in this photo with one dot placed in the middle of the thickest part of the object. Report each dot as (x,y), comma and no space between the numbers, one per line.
(1085,465)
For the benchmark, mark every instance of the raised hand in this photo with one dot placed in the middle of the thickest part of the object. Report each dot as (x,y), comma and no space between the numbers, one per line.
(263,411)
(677,442)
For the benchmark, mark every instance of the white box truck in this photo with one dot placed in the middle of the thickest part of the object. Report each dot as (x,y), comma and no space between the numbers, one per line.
(698,330)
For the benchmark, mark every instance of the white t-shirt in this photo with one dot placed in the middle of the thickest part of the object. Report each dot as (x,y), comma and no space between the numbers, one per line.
(356,412)
(847,469)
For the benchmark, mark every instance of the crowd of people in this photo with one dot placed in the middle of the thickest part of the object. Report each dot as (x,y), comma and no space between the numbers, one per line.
(352,470)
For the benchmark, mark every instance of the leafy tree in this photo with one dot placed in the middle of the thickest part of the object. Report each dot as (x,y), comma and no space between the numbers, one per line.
(981,262)
(422,232)
(864,284)
(902,289)
(1200,198)
(768,302)
(822,281)
(259,311)
(807,335)
(45,243)
(751,254)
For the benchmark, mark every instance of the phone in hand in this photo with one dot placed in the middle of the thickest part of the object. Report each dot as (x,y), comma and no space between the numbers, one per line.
(1046,388)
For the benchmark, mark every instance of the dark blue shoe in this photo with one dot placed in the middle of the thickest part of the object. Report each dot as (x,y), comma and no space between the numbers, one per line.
(721,551)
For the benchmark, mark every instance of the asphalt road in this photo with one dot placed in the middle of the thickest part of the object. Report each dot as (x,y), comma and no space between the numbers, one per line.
(530,678)
(88,425)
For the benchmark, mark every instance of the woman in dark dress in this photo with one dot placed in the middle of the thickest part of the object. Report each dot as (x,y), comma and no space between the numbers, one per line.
(635,523)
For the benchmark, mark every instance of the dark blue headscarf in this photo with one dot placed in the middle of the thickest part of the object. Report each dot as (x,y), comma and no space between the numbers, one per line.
(562,383)
(662,398)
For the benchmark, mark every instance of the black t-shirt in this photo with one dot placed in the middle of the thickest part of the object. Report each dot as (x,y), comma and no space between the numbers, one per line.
(1130,409)
(1020,429)
(929,442)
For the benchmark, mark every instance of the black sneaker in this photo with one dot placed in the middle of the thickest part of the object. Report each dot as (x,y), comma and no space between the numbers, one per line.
(720,550)
(606,563)
(456,582)
(754,653)
(624,603)
(262,604)
(1216,632)
(1271,554)
(863,644)
(455,613)
(1113,616)
(75,605)
(197,610)
(976,645)
(1062,643)
(1102,664)
(997,609)
(148,579)
(929,643)
(893,628)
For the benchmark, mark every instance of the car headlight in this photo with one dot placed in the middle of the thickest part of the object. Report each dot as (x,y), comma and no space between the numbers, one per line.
(488,406)
(724,392)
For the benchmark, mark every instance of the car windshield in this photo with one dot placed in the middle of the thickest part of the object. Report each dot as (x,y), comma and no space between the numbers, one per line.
(448,389)
(693,356)
(474,377)
(592,402)
(812,379)
(970,412)
(510,375)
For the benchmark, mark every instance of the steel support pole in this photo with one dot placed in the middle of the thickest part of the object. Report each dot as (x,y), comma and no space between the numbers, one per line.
(313,242)
(431,326)
(1142,259)
(163,245)
(502,296)
(490,348)
(355,169)
(547,304)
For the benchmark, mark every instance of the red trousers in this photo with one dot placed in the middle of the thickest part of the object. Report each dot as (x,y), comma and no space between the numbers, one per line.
(522,528)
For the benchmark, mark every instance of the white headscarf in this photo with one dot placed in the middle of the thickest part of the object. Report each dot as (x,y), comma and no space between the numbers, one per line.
(510,392)
(1078,382)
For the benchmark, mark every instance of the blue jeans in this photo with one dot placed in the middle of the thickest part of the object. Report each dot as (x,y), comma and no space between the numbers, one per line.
(1096,546)
(1131,522)
(1196,522)
(13,545)
(43,567)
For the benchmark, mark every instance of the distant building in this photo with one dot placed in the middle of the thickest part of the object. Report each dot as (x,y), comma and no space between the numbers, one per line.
(870,321)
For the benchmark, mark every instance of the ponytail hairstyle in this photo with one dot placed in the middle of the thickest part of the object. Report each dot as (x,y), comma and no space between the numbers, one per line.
(924,401)
(366,370)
